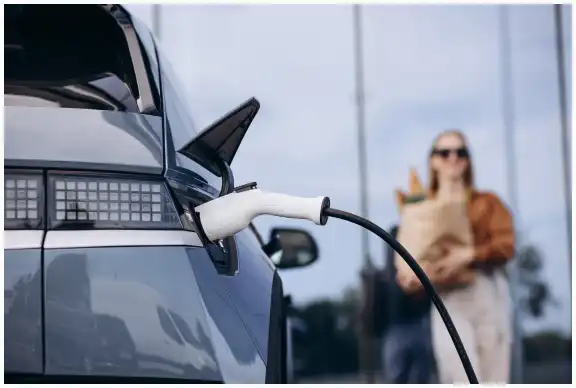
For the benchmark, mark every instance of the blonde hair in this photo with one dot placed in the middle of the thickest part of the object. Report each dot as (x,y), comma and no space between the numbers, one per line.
(467,175)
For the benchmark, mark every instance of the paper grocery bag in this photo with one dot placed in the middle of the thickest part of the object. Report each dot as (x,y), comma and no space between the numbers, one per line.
(427,228)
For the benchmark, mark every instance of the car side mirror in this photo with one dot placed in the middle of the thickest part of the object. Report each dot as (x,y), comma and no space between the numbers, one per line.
(291,248)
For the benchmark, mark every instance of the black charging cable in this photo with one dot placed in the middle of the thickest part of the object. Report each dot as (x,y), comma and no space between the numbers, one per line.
(428,287)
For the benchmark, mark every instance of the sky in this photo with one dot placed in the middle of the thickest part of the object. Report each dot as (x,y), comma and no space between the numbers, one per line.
(427,68)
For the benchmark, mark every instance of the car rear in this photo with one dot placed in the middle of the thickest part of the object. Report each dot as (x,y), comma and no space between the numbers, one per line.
(105,278)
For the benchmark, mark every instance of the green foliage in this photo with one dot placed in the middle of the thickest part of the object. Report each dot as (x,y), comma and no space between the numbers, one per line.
(414,199)
(535,292)
(547,346)
(329,344)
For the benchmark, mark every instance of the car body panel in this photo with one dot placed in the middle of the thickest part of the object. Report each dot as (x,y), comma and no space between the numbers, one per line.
(23,239)
(237,353)
(83,138)
(119,238)
(251,289)
(23,350)
(152,306)
(143,312)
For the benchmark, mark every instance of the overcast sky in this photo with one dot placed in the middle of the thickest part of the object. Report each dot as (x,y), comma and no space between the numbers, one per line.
(428,68)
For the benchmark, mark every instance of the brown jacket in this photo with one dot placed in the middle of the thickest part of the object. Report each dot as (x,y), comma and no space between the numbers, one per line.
(493,236)
(492,228)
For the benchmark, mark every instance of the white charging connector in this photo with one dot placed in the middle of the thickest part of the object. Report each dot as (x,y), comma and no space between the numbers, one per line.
(224,216)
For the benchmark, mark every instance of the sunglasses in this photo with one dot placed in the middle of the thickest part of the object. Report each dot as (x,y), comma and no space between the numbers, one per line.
(461,153)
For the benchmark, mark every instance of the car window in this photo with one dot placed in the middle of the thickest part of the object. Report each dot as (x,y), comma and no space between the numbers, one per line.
(53,60)
(149,51)
(177,106)
(149,48)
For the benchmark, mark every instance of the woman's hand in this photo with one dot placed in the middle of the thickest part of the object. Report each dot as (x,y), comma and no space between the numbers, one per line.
(409,283)
(458,258)
(408,280)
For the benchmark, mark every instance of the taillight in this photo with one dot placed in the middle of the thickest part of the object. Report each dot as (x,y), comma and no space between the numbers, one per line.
(109,202)
(23,200)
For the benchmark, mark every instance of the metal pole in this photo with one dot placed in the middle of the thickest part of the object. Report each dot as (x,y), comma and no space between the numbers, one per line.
(365,340)
(156,20)
(512,179)
(565,136)
(360,120)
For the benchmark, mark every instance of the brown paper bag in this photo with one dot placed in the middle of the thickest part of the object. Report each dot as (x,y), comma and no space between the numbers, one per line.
(428,227)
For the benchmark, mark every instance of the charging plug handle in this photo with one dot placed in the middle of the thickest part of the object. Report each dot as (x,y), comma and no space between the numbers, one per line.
(231,213)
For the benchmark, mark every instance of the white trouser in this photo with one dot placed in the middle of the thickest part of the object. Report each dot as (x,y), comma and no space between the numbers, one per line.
(482,315)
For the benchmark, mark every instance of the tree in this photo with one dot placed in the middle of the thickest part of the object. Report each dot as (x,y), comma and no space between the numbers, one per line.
(535,292)
(329,345)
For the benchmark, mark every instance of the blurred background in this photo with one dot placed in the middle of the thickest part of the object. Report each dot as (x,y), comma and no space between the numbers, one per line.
(376,83)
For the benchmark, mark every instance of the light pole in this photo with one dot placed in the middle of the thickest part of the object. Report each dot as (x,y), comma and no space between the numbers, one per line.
(156,20)
(511,177)
(565,136)
(366,353)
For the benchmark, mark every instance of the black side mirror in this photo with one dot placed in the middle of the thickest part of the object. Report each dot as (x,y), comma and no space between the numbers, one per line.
(291,248)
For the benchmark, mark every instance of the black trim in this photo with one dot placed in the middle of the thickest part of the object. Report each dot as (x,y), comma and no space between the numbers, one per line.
(42,285)
(184,175)
(276,357)
(325,205)
(82,166)
(17,378)
(227,178)
(246,187)
(124,21)
(200,230)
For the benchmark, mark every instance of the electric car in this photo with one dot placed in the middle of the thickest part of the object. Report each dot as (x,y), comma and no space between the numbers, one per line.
(107,276)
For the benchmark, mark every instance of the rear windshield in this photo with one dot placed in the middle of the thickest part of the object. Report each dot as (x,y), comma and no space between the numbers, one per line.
(69,57)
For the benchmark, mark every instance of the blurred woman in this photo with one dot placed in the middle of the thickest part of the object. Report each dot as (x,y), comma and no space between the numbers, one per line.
(481,309)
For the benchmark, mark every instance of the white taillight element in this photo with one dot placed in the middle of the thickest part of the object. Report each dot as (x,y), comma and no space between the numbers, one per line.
(22,198)
(112,201)
(224,216)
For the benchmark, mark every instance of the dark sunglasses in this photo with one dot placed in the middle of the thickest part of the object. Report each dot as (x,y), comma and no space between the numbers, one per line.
(461,153)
